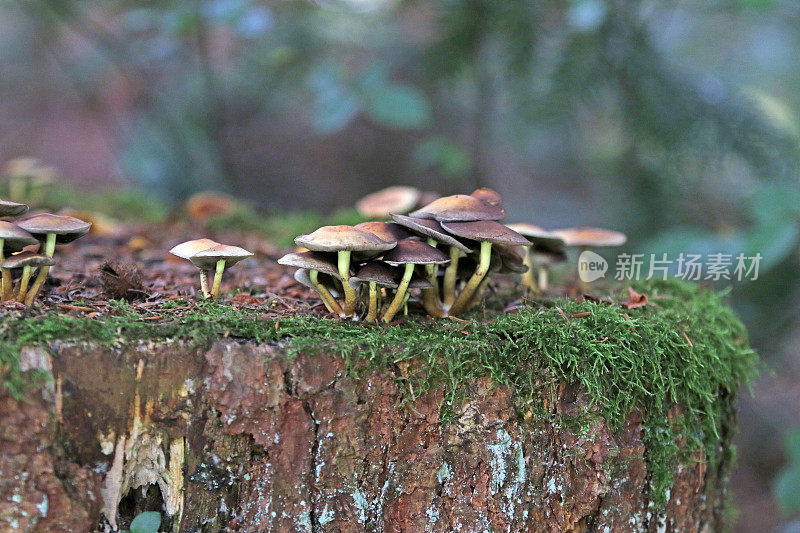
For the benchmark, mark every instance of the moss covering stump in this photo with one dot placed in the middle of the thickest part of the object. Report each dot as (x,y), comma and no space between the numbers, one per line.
(563,416)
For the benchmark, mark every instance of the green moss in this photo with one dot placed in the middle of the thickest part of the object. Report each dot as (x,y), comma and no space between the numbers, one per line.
(686,349)
(123,204)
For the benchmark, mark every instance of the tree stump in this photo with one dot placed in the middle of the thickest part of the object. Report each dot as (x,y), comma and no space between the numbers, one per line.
(239,437)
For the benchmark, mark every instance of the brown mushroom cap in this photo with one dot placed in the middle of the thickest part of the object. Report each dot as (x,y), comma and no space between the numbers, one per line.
(12,209)
(377,272)
(396,199)
(486,230)
(187,249)
(432,229)
(412,251)
(208,258)
(510,258)
(24,259)
(14,237)
(490,196)
(459,208)
(581,237)
(343,238)
(418,282)
(318,261)
(66,228)
(542,240)
(386,231)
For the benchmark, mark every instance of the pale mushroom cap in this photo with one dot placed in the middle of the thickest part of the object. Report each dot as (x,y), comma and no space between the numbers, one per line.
(541,239)
(490,196)
(20,166)
(66,228)
(24,259)
(486,230)
(12,209)
(414,252)
(312,261)
(377,272)
(432,229)
(14,237)
(343,238)
(387,231)
(581,237)
(208,258)
(302,276)
(459,208)
(187,249)
(396,199)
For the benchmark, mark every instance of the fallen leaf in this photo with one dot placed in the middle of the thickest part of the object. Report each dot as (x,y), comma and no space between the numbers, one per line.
(635,300)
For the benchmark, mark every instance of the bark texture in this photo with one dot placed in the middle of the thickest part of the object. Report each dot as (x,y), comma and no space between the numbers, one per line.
(239,438)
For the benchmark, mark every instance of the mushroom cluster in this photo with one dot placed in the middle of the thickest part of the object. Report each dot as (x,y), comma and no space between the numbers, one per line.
(208,255)
(447,249)
(43,229)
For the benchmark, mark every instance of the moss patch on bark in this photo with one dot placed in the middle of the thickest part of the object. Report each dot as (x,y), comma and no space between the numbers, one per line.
(678,361)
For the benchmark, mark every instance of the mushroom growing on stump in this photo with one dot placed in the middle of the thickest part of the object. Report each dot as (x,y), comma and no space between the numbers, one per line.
(51,230)
(375,274)
(345,241)
(27,261)
(436,234)
(585,238)
(12,239)
(187,249)
(316,263)
(396,199)
(487,232)
(547,248)
(409,252)
(218,258)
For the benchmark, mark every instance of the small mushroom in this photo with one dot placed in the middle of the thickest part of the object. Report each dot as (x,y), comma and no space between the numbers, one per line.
(314,263)
(459,208)
(436,234)
(345,241)
(409,252)
(487,232)
(218,258)
(547,248)
(375,274)
(387,231)
(50,230)
(27,261)
(28,178)
(490,196)
(187,249)
(396,199)
(585,238)
(12,209)
(12,239)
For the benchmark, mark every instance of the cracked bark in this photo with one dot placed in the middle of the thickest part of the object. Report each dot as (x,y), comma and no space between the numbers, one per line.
(279,445)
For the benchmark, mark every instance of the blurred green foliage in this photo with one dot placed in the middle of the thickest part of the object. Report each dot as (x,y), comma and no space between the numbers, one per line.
(787,484)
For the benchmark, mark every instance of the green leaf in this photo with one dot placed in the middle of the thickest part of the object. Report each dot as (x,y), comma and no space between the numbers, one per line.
(333,112)
(774,242)
(399,106)
(147,522)
(448,157)
(792,446)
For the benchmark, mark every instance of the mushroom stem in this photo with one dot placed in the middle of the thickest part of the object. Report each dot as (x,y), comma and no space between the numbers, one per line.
(431,303)
(204,282)
(349,292)
(41,277)
(465,297)
(372,314)
(543,275)
(405,303)
(399,296)
(16,188)
(450,275)
(478,296)
(527,278)
(327,298)
(217,278)
(5,290)
(23,283)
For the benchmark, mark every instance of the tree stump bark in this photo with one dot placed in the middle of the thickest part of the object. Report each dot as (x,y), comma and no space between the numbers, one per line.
(240,438)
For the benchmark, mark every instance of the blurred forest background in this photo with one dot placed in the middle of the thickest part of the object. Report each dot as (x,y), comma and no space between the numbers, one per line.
(676,121)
